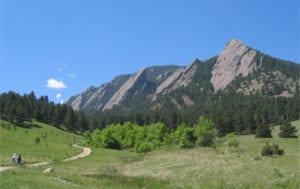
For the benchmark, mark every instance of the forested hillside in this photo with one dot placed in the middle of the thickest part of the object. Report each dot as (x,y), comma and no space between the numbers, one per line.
(240,90)
(21,110)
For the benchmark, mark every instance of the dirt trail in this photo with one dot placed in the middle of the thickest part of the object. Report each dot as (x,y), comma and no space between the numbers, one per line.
(86,152)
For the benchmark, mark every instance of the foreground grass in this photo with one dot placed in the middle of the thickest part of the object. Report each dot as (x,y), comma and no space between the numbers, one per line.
(171,167)
(54,143)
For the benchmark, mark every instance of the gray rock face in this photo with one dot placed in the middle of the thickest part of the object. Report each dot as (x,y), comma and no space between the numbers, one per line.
(122,93)
(179,78)
(234,60)
(78,101)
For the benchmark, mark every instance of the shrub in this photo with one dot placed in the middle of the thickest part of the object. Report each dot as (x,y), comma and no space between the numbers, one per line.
(277,150)
(267,150)
(37,140)
(271,150)
(143,147)
(187,139)
(287,131)
(232,141)
(256,158)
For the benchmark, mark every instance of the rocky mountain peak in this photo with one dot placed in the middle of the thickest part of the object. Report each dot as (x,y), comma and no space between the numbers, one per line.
(235,59)
(181,77)
(122,93)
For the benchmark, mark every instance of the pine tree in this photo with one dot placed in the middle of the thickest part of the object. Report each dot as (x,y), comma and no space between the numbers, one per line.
(82,123)
(287,131)
(70,120)
(263,131)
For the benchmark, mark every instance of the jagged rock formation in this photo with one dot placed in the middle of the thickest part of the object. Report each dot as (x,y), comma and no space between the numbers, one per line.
(95,98)
(134,81)
(180,78)
(234,60)
(238,68)
(76,102)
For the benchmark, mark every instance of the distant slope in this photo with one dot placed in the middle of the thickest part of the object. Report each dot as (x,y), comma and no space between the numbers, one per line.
(54,143)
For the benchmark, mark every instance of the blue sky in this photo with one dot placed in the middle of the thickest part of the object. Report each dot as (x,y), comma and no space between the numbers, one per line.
(59,48)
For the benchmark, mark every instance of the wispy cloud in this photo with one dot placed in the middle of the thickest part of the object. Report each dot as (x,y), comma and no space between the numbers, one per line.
(61,66)
(58,96)
(71,75)
(55,84)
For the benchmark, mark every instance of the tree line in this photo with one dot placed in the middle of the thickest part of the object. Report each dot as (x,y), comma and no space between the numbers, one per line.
(146,138)
(230,112)
(22,109)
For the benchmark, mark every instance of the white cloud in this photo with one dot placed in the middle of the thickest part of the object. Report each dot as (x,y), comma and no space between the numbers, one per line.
(71,75)
(55,84)
(58,96)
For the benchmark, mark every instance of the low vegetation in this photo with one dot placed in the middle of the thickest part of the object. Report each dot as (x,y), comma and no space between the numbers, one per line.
(271,150)
(39,143)
(223,166)
(146,138)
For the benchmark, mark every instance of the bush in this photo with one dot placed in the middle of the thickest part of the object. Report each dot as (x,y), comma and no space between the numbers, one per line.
(232,141)
(271,150)
(187,139)
(256,158)
(37,140)
(277,150)
(143,147)
(267,150)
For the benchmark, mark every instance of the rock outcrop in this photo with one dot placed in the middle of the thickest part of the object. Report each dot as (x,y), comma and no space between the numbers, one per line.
(79,100)
(234,60)
(121,94)
(181,77)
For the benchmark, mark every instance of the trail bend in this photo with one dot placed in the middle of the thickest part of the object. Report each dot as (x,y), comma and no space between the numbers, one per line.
(86,152)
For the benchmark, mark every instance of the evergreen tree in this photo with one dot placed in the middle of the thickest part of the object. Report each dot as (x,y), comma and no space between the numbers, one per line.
(263,131)
(287,131)
(82,122)
(70,120)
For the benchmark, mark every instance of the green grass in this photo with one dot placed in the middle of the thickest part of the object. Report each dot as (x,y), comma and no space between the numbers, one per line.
(171,167)
(54,143)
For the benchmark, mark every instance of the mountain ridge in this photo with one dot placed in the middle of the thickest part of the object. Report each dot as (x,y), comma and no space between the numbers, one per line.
(147,87)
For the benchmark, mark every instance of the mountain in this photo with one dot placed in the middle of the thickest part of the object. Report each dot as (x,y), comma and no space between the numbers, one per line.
(122,88)
(238,68)
(234,60)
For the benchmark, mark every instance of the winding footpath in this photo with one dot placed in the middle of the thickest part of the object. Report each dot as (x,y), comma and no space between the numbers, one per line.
(86,152)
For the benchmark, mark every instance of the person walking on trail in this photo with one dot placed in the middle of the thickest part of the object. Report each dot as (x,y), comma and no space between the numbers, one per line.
(14,158)
(19,159)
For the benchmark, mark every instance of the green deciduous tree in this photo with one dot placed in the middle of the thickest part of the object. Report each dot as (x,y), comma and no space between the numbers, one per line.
(204,132)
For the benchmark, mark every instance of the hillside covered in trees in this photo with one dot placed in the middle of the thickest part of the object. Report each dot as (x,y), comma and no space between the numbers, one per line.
(20,110)
(240,90)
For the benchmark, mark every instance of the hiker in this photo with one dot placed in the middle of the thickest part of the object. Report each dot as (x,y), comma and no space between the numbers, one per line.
(14,158)
(19,159)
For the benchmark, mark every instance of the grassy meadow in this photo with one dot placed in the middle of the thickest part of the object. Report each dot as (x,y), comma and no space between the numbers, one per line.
(54,143)
(168,167)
